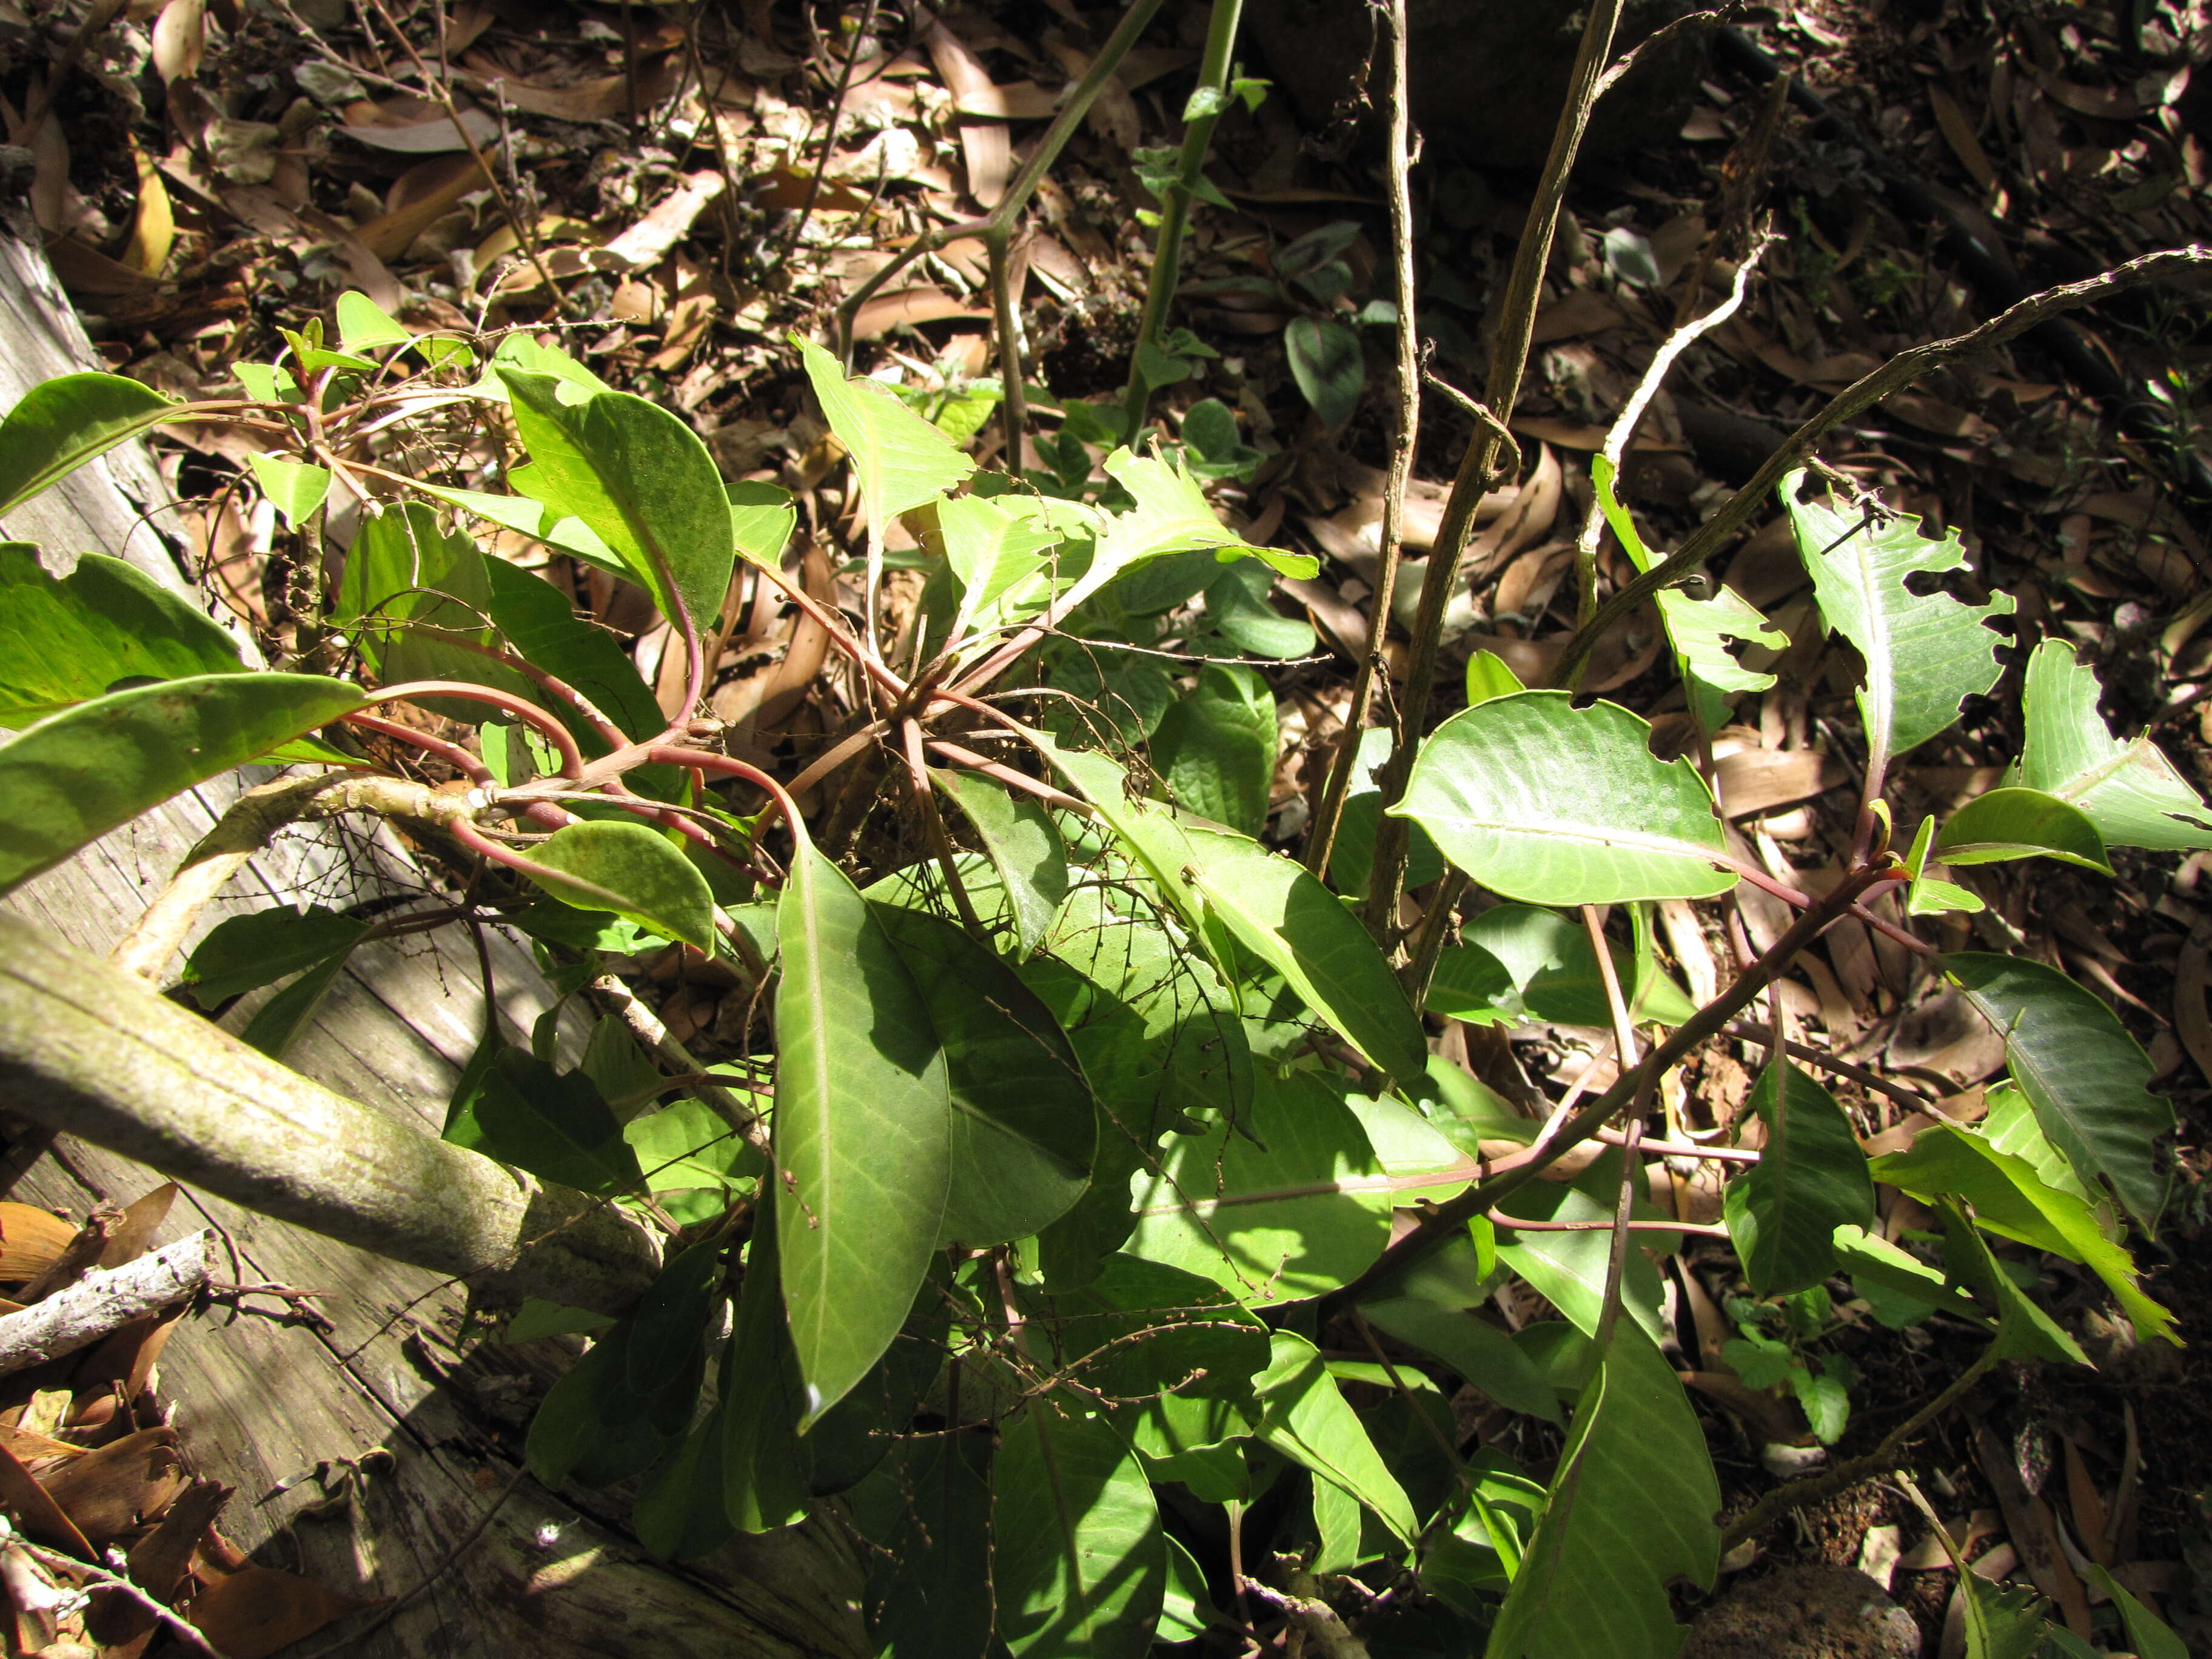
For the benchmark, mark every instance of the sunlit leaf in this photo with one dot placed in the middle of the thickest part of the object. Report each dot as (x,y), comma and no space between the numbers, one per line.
(64,423)
(2131,791)
(1924,653)
(1542,801)
(69,641)
(78,774)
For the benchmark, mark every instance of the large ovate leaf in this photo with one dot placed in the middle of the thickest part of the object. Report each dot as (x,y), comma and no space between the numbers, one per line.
(1078,1560)
(863,1129)
(1630,1508)
(1024,847)
(1023,1124)
(1305,1418)
(2087,1078)
(1553,805)
(899,460)
(2010,1199)
(2020,823)
(1290,1202)
(2131,791)
(1811,1178)
(1216,746)
(640,479)
(64,423)
(631,870)
(74,775)
(67,642)
(1924,653)
(1700,631)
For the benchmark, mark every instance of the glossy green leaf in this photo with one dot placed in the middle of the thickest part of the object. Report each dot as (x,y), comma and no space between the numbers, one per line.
(1924,653)
(1552,969)
(900,461)
(1630,1508)
(2131,791)
(1811,1178)
(1483,1355)
(2010,1199)
(863,1129)
(640,479)
(2020,823)
(1305,1418)
(64,423)
(76,775)
(2086,1077)
(1289,1203)
(1215,747)
(241,953)
(1542,801)
(764,1463)
(1328,365)
(277,1022)
(1931,896)
(631,870)
(67,642)
(363,324)
(1024,847)
(1024,1126)
(1282,915)
(1700,631)
(1078,1560)
(294,489)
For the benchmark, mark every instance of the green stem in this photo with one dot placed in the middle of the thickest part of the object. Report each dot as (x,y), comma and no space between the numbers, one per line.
(1175,211)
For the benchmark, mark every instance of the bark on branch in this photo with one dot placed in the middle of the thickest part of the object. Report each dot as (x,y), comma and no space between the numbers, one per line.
(89,1050)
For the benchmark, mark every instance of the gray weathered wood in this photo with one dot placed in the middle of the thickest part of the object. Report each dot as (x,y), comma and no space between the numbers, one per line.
(262,1404)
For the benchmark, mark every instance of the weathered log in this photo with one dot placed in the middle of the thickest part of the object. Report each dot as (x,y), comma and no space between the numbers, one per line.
(88,1049)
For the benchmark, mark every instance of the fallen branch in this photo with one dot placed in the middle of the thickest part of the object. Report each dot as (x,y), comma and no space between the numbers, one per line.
(102,1303)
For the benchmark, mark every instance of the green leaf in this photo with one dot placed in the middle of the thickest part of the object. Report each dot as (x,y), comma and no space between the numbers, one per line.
(764,1463)
(2086,1077)
(74,775)
(1924,653)
(2011,1200)
(1488,676)
(2020,823)
(1630,1508)
(2131,791)
(1483,1355)
(64,423)
(1542,801)
(1305,1418)
(631,870)
(363,324)
(640,479)
(278,1021)
(1931,896)
(1811,1178)
(1699,629)
(1290,1202)
(1079,1557)
(241,953)
(1328,365)
(294,489)
(1552,969)
(554,1124)
(1024,847)
(1216,746)
(863,1129)
(2151,1637)
(67,642)
(899,460)
(1282,915)
(1023,1124)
